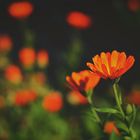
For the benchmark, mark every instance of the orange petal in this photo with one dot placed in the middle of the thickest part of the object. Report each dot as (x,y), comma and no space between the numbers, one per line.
(91,66)
(114,58)
(76,77)
(121,60)
(97,62)
(93,81)
(105,61)
(71,82)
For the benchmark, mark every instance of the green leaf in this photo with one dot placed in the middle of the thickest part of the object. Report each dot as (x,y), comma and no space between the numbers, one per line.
(113,136)
(107,110)
(127,138)
(122,126)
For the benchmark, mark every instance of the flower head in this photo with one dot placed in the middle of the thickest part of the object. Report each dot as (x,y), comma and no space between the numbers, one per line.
(52,102)
(13,74)
(42,58)
(20,10)
(78,20)
(134,5)
(5,43)
(24,97)
(111,65)
(110,127)
(27,57)
(134,98)
(83,80)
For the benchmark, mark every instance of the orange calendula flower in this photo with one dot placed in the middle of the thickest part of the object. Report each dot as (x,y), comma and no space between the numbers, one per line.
(111,65)
(20,10)
(134,5)
(53,102)
(76,98)
(24,97)
(78,20)
(13,74)
(83,80)
(5,43)
(110,127)
(42,58)
(27,57)
(134,98)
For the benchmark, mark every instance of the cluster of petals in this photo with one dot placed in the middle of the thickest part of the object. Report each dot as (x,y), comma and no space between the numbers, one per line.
(5,43)
(134,97)
(53,102)
(20,10)
(83,80)
(24,97)
(27,56)
(111,65)
(13,74)
(110,127)
(134,5)
(78,20)
(42,58)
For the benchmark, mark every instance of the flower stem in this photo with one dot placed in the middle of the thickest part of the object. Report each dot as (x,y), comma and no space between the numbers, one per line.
(89,98)
(131,135)
(115,88)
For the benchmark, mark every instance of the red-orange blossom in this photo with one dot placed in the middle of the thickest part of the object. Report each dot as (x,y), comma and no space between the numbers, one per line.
(111,65)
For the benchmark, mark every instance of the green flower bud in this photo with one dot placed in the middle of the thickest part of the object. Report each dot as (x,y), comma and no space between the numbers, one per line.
(129,109)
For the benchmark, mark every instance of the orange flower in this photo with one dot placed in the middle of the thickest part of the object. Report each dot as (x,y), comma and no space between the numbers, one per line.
(134,98)
(76,98)
(42,58)
(52,102)
(83,80)
(78,20)
(134,5)
(111,65)
(24,97)
(20,10)
(5,43)
(13,74)
(110,127)
(27,57)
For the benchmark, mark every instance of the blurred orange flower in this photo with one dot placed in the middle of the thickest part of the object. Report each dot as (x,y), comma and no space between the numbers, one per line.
(20,10)
(53,102)
(76,98)
(134,5)
(111,65)
(42,58)
(78,20)
(24,97)
(27,57)
(134,97)
(83,80)
(13,74)
(5,43)
(110,127)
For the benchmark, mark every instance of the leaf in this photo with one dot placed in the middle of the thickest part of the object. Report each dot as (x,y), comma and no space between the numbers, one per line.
(113,136)
(122,126)
(107,110)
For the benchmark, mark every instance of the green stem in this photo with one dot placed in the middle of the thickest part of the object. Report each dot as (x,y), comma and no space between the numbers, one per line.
(119,105)
(89,98)
(115,88)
